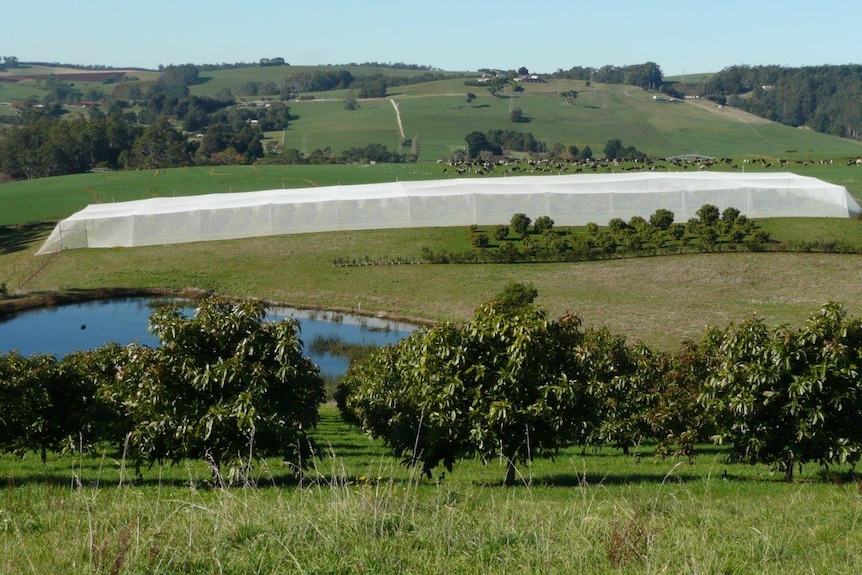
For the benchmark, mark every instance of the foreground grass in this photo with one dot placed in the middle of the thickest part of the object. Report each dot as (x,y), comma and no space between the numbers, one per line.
(358,511)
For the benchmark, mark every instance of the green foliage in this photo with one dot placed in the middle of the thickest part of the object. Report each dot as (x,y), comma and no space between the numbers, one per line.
(224,385)
(520,224)
(708,214)
(372,153)
(183,74)
(619,379)
(350,103)
(661,219)
(373,86)
(676,418)
(478,142)
(647,75)
(543,224)
(515,141)
(160,146)
(47,405)
(787,397)
(515,295)
(479,240)
(819,97)
(570,96)
(612,148)
(505,384)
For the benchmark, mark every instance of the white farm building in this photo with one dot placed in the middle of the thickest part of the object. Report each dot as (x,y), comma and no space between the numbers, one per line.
(568,199)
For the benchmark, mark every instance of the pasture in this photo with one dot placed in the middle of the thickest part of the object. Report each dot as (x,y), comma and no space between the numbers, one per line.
(660,301)
(438,115)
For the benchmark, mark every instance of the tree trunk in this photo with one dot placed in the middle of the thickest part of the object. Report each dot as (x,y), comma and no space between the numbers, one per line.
(788,468)
(510,471)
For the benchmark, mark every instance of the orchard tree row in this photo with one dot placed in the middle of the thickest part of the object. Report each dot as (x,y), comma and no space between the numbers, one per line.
(513,383)
(224,385)
(525,240)
(228,387)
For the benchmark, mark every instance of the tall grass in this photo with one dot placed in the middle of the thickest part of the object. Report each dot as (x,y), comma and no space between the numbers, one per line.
(359,511)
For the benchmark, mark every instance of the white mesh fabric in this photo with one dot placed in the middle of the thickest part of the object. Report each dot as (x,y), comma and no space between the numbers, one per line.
(569,200)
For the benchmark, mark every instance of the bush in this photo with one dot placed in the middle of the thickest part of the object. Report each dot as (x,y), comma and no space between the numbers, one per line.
(520,224)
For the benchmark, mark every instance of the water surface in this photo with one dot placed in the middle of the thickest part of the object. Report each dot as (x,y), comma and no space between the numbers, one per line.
(63,329)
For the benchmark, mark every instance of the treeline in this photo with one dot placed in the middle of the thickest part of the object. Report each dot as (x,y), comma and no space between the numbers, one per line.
(45,144)
(516,385)
(359,154)
(365,86)
(497,142)
(823,98)
(647,75)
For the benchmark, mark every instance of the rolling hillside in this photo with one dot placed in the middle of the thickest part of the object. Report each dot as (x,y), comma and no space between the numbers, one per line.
(437,114)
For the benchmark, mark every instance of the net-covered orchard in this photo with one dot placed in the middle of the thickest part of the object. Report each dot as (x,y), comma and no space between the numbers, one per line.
(571,200)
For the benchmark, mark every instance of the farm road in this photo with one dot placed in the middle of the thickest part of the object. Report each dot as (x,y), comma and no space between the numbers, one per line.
(398,117)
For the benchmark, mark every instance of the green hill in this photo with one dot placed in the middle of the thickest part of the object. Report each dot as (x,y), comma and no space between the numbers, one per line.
(437,114)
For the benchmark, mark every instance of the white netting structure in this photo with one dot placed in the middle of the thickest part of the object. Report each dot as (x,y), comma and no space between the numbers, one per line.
(570,200)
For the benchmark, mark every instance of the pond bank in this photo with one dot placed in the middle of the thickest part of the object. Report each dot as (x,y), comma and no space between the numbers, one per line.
(13,304)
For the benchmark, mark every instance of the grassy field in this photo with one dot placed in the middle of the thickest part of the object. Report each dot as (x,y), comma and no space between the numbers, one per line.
(438,115)
(358,511)
(660,300)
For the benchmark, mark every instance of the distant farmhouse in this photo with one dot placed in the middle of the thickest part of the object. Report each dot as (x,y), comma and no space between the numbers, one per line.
(531,79)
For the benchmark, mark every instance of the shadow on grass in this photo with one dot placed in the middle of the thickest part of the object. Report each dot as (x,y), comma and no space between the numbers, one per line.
(18,237)
(316,476)
(588,480)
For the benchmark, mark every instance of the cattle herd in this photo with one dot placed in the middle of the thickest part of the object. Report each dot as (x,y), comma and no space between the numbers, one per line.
(509,166)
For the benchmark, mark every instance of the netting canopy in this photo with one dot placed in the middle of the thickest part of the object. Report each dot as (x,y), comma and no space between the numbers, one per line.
(570,200)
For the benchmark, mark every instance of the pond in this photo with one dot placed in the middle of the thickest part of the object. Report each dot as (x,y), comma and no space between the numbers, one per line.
(63,329)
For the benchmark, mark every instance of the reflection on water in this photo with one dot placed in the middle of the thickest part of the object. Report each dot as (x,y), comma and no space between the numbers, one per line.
(64,329)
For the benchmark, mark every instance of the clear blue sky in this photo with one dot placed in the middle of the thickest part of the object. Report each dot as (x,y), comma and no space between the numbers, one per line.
(680,36)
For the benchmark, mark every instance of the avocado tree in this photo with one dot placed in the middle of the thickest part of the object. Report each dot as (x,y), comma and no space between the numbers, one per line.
(505,384)
(619,377)
(45,405)
(520,223)
(787,397)
(224,385)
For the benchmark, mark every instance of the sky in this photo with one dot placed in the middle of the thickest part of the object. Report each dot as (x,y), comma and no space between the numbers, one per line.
(682,37)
